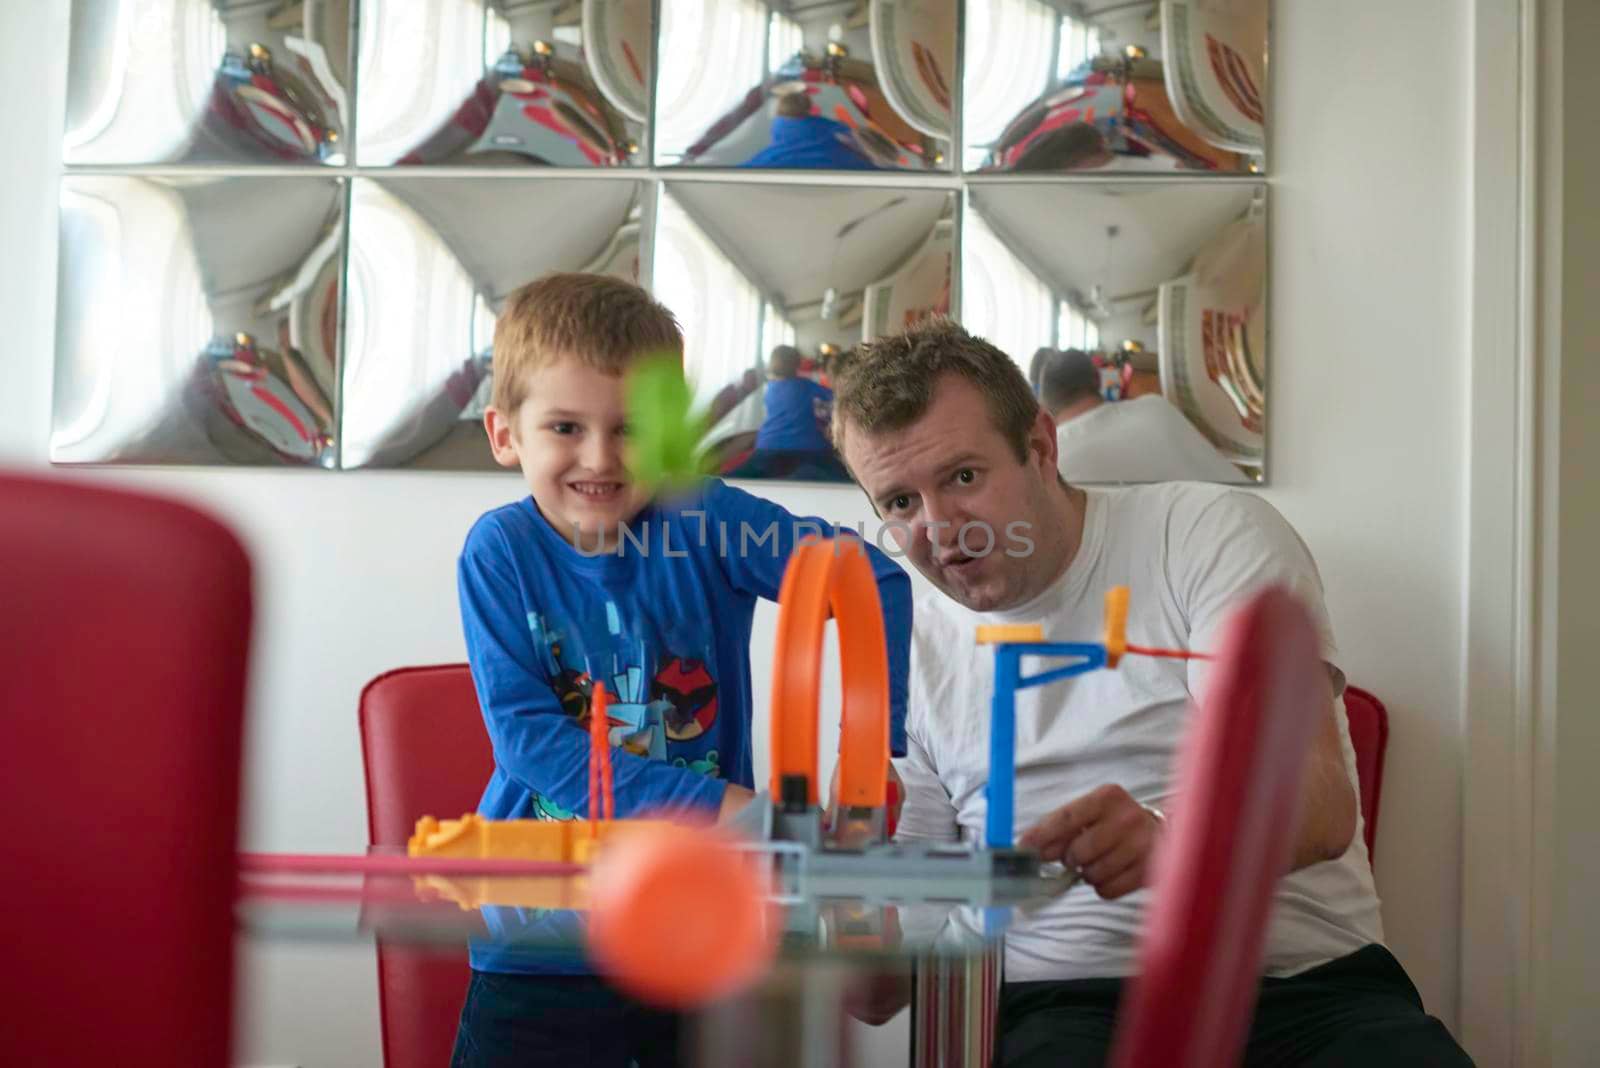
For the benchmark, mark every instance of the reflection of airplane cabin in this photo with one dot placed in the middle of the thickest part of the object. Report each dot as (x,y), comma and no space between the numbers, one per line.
(876,80)
(1173,274)
(821,268)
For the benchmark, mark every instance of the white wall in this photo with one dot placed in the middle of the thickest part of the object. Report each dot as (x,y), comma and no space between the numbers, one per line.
(1367,427)
(1368,402)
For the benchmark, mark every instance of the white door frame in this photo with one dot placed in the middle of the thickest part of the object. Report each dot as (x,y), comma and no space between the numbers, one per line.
(1508,847)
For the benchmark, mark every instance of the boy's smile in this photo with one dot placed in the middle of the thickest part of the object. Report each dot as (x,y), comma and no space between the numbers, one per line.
(568,436)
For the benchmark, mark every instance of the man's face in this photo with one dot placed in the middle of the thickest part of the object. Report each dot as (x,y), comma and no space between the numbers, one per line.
(568,437)
(952,469)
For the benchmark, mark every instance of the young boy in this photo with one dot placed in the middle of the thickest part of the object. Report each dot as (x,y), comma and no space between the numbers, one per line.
(793,440)
(587,581)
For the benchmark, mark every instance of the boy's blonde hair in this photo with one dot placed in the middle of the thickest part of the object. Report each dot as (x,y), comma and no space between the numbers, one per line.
(600,321)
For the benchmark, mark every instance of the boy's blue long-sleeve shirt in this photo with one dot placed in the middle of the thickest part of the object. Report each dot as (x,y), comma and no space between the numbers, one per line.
(666,622)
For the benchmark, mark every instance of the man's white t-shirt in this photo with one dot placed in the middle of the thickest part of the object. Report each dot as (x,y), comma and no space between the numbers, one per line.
(1144,439)
(1188,553)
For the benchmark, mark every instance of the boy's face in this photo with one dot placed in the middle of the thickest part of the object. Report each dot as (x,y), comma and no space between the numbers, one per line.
(568,437)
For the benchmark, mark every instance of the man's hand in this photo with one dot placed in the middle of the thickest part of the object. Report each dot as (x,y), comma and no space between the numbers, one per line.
(1105,834)
(896,799)
(734,798)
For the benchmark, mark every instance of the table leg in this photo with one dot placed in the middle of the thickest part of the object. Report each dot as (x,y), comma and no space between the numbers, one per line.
(954,1006)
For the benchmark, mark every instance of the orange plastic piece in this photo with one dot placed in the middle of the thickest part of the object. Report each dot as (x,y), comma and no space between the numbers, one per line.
(1176,654)
(711,898)
(1117,645)
(600,800)
(822,575)
(1116,641)
(1003,633)
(554,840)
(474,836)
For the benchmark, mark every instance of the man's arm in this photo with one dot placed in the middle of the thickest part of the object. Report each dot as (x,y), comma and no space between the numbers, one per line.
(1237,545)
(1108,836)
(1234,546)
(1327,799)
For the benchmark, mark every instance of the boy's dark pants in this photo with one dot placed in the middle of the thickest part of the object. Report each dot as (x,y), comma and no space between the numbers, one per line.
(519,1021)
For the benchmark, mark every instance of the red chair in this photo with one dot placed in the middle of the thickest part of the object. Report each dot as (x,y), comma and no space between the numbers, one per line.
(1189,1004)
(1369,737)
(426,752)
(124,637)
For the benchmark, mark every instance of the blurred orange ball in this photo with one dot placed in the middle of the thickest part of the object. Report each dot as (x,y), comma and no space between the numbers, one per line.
(678,918)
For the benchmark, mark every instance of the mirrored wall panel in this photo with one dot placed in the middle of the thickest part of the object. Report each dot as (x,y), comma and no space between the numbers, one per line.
(857,85)
(772,282)
(1108,85)
(1139,310)
(557,83)
(198,320)
(218,81)
(431,263)
(288,226)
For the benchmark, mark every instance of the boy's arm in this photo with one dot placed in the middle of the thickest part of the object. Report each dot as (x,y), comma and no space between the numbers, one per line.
(761,536)
(535,741)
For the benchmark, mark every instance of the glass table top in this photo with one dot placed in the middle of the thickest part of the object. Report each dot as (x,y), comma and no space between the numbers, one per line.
(541,908)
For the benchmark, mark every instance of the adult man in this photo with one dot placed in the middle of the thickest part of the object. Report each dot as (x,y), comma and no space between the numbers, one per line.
(942,432)
(1141,439)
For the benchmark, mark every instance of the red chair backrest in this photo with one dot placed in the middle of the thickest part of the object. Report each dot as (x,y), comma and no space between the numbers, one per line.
(1214,873)
(426,752)
(124,639)
(1369,737)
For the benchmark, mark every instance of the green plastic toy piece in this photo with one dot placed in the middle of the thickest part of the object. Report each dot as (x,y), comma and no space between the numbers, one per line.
(665,433)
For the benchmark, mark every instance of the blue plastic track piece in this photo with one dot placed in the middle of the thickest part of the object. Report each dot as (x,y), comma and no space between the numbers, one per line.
(1008,679)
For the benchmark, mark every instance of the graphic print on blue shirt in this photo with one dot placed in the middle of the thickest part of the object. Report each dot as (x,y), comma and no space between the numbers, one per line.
(663,695)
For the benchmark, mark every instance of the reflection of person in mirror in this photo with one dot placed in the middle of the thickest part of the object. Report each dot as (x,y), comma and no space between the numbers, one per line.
(1144,439)
(802,138)
(793,440)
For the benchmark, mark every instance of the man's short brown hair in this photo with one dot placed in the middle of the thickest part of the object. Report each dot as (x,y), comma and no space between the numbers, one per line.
(887,384)
(600,321)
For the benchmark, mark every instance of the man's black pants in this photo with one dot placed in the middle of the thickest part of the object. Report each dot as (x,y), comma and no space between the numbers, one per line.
(1358,1010)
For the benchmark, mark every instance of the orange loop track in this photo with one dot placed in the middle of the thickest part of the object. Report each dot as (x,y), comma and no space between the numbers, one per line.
(832,576)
